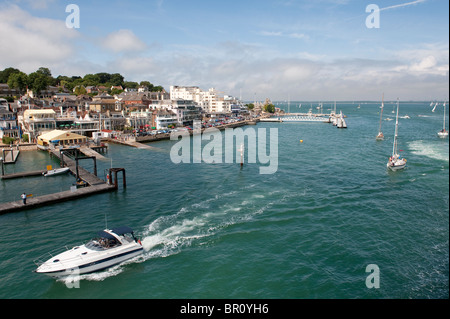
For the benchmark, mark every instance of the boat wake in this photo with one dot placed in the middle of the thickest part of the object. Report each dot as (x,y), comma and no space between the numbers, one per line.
(194,224)
(432,150)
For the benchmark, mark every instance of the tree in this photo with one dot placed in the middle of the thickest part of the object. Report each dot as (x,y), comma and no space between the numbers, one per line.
(4,75)
(117,79)
(158,88)
(250,106)
(269,108)
(91,79)
(38,82)
(18,81)
(116,91)
(146,84)
(80,90)
(44,71)
(131,85)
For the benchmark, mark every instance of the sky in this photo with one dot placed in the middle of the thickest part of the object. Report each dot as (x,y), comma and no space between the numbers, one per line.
(308,50)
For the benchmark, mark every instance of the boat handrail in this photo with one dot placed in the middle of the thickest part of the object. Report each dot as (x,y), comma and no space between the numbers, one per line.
(50,254)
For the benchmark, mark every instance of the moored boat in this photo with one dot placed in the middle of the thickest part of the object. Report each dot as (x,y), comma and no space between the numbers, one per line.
(56,171)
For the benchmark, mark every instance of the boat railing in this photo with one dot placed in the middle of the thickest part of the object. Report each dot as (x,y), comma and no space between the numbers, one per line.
(48,255)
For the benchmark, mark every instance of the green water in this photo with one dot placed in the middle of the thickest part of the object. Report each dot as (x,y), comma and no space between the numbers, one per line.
(219,231)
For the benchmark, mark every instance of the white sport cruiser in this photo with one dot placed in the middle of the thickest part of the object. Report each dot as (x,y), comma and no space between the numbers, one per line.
(110,248)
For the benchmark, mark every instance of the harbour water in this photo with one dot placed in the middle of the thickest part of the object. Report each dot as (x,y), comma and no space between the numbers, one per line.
(219,231)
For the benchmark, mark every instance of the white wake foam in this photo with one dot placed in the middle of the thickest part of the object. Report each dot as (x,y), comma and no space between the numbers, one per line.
(434,150)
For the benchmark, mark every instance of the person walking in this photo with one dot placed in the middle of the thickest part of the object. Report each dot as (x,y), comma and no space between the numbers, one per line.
(24,198)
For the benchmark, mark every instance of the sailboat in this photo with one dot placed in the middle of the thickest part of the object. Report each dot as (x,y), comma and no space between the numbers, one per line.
(434,108)
(380,135)
(341,122)
(395,162)
(443,133)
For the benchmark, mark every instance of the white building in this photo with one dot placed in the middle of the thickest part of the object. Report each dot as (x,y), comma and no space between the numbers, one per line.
(212,101)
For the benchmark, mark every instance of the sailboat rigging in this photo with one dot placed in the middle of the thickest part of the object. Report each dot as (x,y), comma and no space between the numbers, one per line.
(443,133)
(395,162)
(380,135)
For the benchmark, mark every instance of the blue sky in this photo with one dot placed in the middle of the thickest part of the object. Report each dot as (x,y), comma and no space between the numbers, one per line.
(305,50)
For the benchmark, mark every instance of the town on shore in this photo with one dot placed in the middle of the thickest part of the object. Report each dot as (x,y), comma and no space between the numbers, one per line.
(98,111)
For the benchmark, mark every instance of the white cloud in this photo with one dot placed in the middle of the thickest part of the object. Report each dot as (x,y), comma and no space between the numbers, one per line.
(123,41)
(293,35)
(29,42)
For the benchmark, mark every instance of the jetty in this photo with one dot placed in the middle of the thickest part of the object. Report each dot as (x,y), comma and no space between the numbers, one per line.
(93,184)
(299,117)
(9,156)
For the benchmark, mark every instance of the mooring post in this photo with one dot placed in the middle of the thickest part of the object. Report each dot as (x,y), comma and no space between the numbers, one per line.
(115,180)
(76,168)
(95,165)
(61,158)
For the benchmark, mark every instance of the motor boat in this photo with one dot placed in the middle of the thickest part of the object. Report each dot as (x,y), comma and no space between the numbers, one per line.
(110,248)
(56,171)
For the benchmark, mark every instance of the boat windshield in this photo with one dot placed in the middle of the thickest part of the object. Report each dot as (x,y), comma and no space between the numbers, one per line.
(102,243)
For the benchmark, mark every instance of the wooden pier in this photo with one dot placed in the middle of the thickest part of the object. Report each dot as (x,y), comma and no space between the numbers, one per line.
(23,174)
(45,200)
(10,156)
(95,185)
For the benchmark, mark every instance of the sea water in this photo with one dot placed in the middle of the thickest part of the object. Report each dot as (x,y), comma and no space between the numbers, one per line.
(222,231)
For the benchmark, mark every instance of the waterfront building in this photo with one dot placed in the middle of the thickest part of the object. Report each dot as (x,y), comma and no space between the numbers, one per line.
(163,118)
(85,124)
(140,119)
(35,122)
(8,124)
(187,112)
(211,101)
(59,138)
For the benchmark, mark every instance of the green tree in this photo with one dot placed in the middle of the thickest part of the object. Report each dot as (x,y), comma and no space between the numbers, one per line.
(103,77)
(116,91)
(146,84)
(131,85)
(117,79)
(158,88)
(91,79)
(250,106)
(79,90)
(269,108)
(4,75)
(38,82)
(44,71)
(18,81)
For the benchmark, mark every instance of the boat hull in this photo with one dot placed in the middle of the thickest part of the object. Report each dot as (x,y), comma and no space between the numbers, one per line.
(443,134)
(57,171)
(397,166)
(81,268)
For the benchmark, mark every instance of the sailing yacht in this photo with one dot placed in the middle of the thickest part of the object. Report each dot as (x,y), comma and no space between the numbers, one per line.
(341,122)
(395,162)
(380,135)
(443,133)
(434,108)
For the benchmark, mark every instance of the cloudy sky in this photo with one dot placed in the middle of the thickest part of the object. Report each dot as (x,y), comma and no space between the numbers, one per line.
(298,49)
